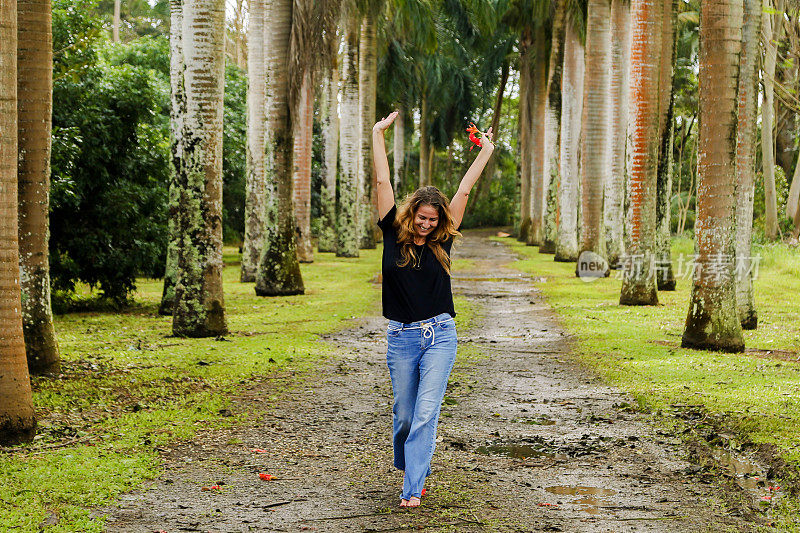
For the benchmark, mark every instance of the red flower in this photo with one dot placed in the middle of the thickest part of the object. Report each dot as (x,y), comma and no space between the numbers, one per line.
(472,129)
(266,477)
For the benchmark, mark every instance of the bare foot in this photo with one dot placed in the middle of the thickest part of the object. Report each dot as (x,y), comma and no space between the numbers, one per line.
(413,502)
(403,502)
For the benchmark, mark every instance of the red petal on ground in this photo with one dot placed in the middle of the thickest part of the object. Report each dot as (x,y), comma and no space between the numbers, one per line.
(265,476)
(259,450)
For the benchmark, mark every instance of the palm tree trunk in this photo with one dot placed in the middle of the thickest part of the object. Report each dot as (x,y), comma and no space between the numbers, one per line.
(595,152)
(367,91)
(199,302)
(329,118)
(746,162)
(538,113)
(572,110)
(17,421)
(347,227)
(303,140)
(34,101)
(278,271)
(639,281)
(116,21)
(525,133)
(552,128)
(613,213)
(256,119)
(713,322)
(665,278)
(485,183)
(177,114)
(424,143)
(767,114)
(399,151)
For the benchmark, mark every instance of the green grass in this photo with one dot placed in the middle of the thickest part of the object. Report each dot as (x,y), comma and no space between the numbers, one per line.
(128,387)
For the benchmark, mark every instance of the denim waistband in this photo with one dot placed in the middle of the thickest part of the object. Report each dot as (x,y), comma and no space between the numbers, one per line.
(443,317)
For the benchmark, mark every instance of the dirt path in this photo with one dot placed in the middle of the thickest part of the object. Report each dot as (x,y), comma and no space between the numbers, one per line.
(528,441)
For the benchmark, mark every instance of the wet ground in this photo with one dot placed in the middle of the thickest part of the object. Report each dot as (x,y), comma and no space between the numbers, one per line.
(528,441)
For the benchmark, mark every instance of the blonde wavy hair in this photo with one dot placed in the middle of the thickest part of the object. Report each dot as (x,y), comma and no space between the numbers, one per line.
(444,231)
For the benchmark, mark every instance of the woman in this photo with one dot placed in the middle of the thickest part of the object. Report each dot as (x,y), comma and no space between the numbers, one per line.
(418,301)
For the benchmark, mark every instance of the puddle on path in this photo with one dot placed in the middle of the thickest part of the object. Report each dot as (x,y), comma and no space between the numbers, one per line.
(590,500)
(747,474)
(516,451)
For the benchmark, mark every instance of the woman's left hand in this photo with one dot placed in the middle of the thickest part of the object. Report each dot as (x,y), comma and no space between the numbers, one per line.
(486,140)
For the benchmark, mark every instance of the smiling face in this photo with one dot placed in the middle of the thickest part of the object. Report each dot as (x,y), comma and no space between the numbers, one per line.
(426,220)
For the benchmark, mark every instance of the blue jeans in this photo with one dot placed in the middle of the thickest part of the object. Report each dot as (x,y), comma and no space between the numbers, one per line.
(420,358)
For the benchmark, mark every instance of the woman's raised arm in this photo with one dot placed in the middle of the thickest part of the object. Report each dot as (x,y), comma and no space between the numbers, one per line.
(459,202)
(385,192)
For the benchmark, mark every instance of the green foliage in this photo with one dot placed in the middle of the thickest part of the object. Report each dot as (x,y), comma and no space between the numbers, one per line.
(109,160)
(759,204)
(110,155)
(234,154)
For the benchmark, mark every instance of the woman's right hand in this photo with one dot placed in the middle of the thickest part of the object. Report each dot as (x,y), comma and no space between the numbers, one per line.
(384,123)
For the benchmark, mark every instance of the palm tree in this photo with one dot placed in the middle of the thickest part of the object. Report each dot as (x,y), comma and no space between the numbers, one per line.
(613,213)
(639,282)
(367,94)
(595,150)
(665,278)
(329,119)
(17,422)
(347,226)
(771,36)
(746,161)
(34,109)
(303,145)
(256,120)
(525,132)
(199,309)
(278,268)
(552,126)
(176,118)
(571,113)
(538,113)
(713,322)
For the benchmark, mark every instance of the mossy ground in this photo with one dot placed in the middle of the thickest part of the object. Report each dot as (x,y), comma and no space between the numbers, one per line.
(128,386)
(638,348)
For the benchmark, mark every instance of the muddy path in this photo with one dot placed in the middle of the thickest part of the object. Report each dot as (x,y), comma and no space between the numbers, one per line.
(528,441)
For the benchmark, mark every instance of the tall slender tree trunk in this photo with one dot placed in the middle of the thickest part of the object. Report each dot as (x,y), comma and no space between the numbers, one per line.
(399,151)
(329,118)
(34,109)
(746,162)
(347,226)
(303,140)
(424,143)
(17,421)
(639,281)
(488,175)
(552,128)
(767,114)
(538,112)
(713,322)
(367,85)
(278,271)
(176,119)
(199,302)
(665,278)
(525,132)
(568,176)
(256,120)
(115,23)
(613,212)
(595,152)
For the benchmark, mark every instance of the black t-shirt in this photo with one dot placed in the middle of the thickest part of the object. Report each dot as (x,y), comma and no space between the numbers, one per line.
(412,294)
